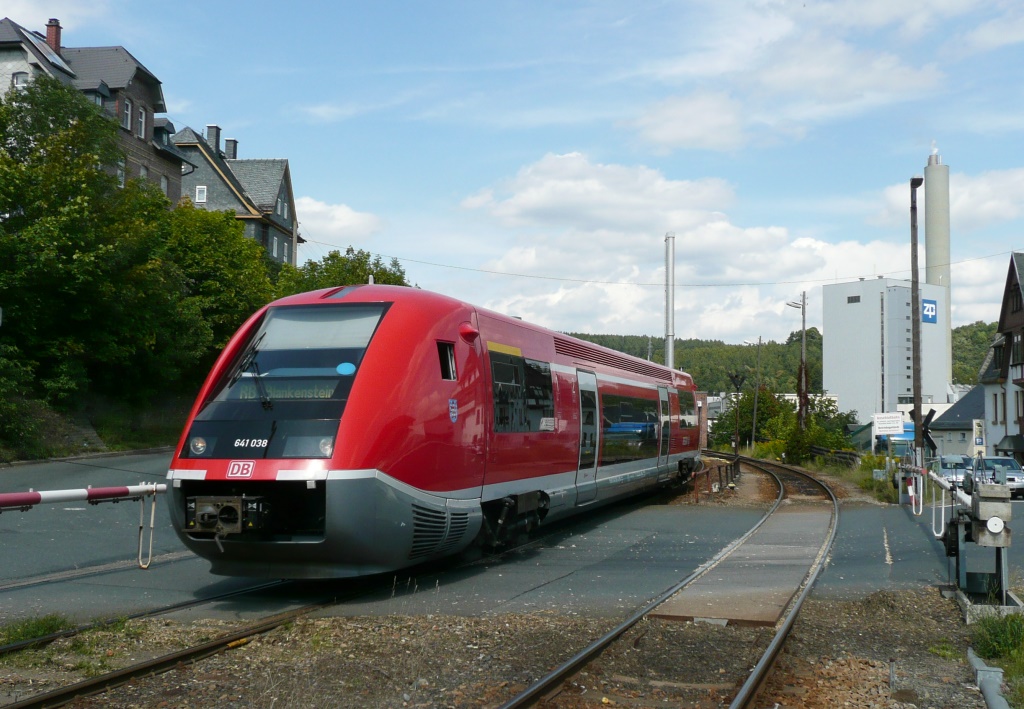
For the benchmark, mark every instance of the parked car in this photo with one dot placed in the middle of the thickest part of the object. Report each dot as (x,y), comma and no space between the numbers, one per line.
(952,468)
(987,469)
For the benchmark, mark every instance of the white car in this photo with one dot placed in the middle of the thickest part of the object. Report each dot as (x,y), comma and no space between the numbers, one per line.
(989,468)
(952,468)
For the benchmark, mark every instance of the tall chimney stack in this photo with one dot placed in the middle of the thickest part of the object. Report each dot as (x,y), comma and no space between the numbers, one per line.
(936,239)
(53,29)
(230,149)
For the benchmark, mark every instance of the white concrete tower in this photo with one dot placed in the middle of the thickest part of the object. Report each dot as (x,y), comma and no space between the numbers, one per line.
(936,240)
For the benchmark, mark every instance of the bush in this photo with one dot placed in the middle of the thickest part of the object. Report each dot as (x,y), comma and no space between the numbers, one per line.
(999,637)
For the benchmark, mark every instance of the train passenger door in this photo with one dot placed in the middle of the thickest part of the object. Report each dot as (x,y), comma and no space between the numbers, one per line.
(666,425)
(586,474)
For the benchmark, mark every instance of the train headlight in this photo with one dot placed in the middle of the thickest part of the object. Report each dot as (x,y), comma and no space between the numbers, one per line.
(327,446)
(197,445)
(316,446)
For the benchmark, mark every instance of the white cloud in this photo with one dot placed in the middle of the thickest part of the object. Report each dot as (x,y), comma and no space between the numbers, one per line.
(975,201)
(732,280)
(993,34)
(704,120)
(571,191)
(33,15)
(333,226)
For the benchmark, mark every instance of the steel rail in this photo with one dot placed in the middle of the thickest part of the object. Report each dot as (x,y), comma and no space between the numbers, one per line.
(748,692)
(29,643)
(97,685)
(536,691)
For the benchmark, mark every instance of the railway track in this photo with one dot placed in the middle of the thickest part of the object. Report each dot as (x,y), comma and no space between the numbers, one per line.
(347,590)
(560,686)
(554,692)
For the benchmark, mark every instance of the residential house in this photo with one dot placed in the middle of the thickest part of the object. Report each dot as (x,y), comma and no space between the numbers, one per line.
(113,79)
(258,191)
(1002,374)
(961,429)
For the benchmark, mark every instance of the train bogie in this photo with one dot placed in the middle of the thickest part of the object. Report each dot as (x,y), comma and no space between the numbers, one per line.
(363,429)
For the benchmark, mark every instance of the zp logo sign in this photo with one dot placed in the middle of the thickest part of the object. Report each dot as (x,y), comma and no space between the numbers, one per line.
(929,311)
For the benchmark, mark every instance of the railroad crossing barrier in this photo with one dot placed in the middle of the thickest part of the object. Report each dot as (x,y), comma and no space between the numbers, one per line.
(978,517)
(24,501)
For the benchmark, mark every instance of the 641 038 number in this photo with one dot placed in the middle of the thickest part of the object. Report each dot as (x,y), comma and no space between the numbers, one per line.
(250,443)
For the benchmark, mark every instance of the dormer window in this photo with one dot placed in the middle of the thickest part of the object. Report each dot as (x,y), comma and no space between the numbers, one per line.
(140,129)
(19,80)
(126,115)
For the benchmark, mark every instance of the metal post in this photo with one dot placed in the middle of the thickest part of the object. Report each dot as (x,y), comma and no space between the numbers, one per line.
(801,381)
(915,319)
(670,288)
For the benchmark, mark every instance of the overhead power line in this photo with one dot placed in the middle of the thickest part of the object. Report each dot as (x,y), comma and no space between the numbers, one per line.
(659,284)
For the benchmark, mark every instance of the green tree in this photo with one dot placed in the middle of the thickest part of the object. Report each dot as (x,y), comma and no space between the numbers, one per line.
(970,346)
(89,297)
(336,269)
(54,242)
(226,276)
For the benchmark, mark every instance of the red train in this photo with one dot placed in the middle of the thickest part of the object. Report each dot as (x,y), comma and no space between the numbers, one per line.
(362,429)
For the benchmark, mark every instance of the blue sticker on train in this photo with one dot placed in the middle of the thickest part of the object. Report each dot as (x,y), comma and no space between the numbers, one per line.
(346,369)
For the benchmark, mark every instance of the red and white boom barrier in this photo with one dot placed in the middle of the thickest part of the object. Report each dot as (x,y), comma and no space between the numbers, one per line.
(25,501)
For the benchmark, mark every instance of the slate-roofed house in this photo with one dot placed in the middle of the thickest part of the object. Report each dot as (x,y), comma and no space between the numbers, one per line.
(1002,374)
(113,79)
(258,191)
(958,430)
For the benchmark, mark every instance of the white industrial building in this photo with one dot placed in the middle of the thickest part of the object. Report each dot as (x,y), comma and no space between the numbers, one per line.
(867,357)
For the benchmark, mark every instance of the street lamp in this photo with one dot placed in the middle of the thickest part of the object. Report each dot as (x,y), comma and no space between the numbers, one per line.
(757,389)
(801,384)
(737,381)
(915,306)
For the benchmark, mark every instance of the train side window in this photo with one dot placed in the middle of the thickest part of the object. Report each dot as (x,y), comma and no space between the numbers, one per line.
(446,354)
(523,394)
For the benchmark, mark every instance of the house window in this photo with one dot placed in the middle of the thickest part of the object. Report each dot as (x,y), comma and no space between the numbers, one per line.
(853,299)
(285,257)
(275,247)
(141,128)
(120,173)
(278,205)
(286,209)
(19,80)
(126,115)
(200,194)
(163,184)
(143,172)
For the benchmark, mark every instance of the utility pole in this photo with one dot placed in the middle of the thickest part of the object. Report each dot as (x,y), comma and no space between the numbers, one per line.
(801,383)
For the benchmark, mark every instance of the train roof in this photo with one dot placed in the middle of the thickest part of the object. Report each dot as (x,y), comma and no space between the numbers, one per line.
(564,344)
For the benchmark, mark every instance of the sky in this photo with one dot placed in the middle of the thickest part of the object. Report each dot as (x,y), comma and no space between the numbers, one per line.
(530,157)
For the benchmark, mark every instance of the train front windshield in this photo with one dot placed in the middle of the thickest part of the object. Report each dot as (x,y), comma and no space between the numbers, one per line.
(285,393)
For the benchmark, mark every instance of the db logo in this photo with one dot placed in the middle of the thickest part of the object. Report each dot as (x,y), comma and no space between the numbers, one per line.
(241,468)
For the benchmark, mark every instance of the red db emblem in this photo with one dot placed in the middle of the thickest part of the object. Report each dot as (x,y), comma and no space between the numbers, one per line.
(241,468)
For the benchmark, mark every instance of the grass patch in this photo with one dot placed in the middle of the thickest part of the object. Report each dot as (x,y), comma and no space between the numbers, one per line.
(33,628)
(1000,641)
(947,651)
